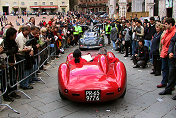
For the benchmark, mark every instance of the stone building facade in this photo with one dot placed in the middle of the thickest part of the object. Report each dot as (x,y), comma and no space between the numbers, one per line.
(165,10)
(93,5)
(20,6)
(154,7)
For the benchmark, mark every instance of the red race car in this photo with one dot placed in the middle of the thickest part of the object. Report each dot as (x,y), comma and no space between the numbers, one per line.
(102,79)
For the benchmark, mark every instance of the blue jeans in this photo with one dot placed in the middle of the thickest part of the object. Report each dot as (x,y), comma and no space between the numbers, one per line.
(165,70)
(148,43)
(134,45)
(35,67)
(114,45)
(25,83)
(172,75)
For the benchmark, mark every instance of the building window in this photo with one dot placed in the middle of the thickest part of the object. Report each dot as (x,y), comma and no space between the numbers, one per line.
(43,3)
(63,10)
(35,3)
(14,3)
(51,3)
(22,3)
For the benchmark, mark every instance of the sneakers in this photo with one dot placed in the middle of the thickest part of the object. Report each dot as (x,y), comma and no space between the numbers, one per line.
(136,66)
(157,74)
(174,98)
(161,86)
(14,95)
(165,92)
(26,88)
(8,99)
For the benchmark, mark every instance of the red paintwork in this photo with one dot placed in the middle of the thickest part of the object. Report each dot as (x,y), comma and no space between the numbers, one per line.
(107,76)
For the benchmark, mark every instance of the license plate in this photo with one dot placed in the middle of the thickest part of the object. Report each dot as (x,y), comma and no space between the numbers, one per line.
(92,95)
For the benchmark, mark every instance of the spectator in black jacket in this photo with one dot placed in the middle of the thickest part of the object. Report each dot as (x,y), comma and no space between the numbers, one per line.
(34,39)
(34,43)
(150,31)
(154,52)
(11,48)
(141,55)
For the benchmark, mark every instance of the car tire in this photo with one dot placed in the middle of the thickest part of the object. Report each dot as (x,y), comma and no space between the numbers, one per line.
(123,95)
(62,96)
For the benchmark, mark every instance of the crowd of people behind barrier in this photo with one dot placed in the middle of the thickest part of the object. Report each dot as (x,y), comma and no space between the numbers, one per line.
(145,41)
(24,53)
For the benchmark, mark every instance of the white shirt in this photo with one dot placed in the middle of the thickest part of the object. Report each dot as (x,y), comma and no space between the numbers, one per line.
(21,41)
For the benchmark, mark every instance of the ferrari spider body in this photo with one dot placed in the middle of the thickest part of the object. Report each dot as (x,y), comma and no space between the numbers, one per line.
(100,80)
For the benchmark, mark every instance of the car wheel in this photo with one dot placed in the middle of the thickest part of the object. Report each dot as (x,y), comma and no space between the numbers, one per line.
(123,95)
(62,96)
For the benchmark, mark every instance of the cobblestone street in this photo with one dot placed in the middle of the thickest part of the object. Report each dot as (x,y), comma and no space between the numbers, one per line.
(141,100)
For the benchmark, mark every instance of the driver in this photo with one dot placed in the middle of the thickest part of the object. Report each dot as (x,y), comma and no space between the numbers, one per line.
(103,51)
(77,58)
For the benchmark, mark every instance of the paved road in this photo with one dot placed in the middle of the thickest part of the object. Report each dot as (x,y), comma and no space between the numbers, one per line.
(141,100)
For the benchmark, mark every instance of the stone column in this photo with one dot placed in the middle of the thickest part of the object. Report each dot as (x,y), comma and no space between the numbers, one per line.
(150,7)
(112,8)
(137,5)
(122,8)
(162,8)
(174,9)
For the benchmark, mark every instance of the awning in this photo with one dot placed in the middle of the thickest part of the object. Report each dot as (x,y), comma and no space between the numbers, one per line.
(15,7)
(49,7)
(63,6)
(34,7)
(44,7)
(23,7)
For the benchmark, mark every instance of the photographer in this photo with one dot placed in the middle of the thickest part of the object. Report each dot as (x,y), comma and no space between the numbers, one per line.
(141,55)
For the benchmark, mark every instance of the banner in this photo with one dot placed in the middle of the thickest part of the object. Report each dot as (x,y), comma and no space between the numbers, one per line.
(169,3)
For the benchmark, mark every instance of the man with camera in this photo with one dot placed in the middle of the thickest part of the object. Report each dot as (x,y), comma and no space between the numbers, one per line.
(141,55)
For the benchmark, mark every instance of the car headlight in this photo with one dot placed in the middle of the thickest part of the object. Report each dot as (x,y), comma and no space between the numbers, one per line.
(81,40)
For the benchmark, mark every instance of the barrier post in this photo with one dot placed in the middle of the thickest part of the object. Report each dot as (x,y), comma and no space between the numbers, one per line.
(4,76)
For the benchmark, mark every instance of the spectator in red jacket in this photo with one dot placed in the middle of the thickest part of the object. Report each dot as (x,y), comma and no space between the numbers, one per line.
(50,22)
(165,42)
(44,23)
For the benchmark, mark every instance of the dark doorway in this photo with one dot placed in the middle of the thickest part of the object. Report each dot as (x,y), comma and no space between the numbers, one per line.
(156,7)
(5,10)
(169,12)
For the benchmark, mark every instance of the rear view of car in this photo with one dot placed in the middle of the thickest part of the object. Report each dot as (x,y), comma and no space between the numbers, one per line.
(91,40)
(97,81)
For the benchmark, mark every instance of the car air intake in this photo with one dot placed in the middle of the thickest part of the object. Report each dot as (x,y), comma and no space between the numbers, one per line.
(76,94)
(112,93)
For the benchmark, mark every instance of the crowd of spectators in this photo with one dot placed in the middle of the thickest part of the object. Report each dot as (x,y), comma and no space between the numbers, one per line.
(148,43)
(27,43)
(145,42)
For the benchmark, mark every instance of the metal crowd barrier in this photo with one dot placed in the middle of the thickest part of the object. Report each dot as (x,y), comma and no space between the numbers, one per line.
(13,74)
